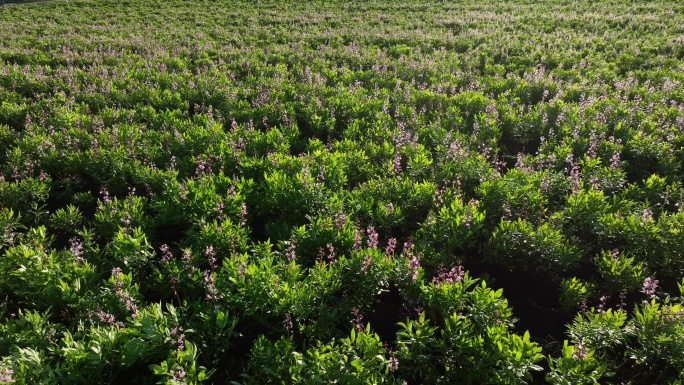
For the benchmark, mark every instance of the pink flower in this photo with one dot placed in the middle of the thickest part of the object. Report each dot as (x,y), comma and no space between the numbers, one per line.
(6,376)
(649,287)
(372,237)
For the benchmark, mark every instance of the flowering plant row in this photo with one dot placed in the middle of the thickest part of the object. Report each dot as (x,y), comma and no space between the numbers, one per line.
(297,192)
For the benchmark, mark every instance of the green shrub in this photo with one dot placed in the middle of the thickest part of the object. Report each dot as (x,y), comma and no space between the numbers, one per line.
(520,245)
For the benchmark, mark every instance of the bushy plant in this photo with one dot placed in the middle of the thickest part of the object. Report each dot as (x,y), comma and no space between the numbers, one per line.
(574,292)
(357,359)
(575,365)
(620,271)
(473,342)
(520,245)
(454,227)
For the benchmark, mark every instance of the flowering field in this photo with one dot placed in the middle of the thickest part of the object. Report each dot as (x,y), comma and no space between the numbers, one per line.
(390,192)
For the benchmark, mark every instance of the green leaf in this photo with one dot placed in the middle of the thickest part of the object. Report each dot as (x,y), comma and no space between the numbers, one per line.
(158,370)
(358,364)
(221,319)
(133,350)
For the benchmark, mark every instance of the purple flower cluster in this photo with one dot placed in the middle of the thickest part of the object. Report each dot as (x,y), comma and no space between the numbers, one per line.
(290,250)
(243,214)
(650,287)
(448,276)
(167,254)
(358,323)
(391,246)
(358,241)
(6,376)
(76,248)
(372,235)
(177,337)
(209,285)
(413,260)
(124,296)
(340,220)
(107,318)
(178,374)
(287,323)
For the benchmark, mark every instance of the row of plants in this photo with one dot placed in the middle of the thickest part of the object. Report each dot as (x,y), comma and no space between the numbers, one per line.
(317,192)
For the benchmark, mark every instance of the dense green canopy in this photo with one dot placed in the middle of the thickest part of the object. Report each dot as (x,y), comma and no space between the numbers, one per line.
(471,192)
